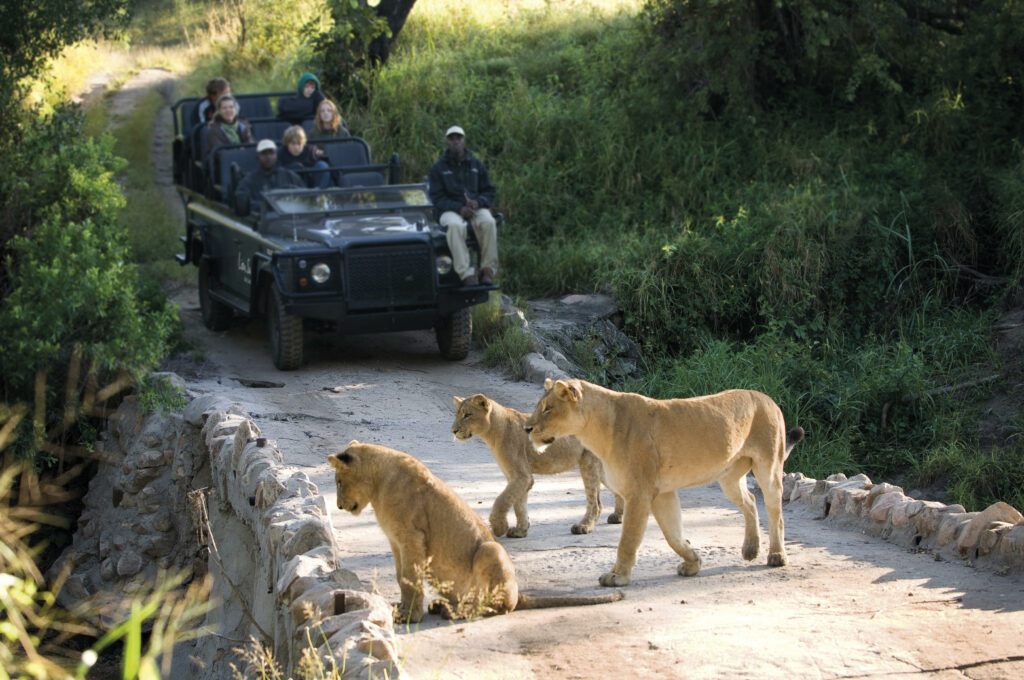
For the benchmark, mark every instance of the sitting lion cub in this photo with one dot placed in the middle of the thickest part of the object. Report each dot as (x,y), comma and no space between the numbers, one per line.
(501,428)
(432,530)
(652,447)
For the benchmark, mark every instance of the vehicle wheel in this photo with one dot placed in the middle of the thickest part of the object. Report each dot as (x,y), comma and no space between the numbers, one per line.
(454,333)
(216,315)
(284,331)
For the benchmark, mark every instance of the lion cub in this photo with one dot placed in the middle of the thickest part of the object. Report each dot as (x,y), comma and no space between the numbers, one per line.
(502,430)
(432,530)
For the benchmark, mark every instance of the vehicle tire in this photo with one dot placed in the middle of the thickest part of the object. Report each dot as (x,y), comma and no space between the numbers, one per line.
(216,315)
(284,331)
(454,333)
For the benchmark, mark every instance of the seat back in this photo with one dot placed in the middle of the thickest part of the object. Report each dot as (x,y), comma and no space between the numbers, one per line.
(243,156)
(362,179)
(345,151)
(254,106)
(269,128)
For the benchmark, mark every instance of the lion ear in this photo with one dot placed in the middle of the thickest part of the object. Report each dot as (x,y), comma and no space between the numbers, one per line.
(548,382)
(340,460)
(482,401)
(567,391)
(458,401)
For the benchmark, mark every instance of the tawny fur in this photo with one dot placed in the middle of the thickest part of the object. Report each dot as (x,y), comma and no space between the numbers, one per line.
(650,448)
(501,428)
(431,529)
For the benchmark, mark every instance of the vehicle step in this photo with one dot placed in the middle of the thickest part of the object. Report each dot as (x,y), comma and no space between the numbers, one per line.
(236,301)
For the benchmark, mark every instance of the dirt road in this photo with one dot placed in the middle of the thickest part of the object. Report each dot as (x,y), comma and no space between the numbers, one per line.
(847,606)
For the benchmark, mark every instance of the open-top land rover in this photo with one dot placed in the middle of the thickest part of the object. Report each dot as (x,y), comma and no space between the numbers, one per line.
(363,256)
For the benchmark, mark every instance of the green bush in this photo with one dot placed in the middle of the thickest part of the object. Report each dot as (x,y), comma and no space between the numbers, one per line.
(71,293)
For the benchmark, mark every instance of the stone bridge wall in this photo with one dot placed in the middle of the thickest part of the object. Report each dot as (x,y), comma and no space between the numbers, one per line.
(202,489)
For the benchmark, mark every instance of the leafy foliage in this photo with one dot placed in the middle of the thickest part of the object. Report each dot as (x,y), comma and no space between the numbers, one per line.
(31,32)
(68,287)
(341,49)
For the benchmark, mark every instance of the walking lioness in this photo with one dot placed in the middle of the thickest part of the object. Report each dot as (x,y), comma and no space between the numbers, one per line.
(652,447)
(434,533)
(501,428)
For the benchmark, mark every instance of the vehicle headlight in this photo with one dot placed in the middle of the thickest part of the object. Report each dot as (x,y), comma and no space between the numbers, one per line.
(443,264)
(321,273)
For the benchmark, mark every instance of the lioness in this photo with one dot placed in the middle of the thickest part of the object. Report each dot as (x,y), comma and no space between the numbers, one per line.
(652,447)
(501,428)
(432,530)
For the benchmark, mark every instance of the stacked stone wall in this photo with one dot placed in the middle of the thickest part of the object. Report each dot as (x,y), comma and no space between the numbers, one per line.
(992,538)
(204,490)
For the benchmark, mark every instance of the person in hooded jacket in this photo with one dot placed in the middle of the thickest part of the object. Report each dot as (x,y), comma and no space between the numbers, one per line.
(462,194)
(304,106)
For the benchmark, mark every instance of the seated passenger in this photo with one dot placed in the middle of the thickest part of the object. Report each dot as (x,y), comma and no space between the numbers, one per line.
(227,127)
(328,122)
(269,175)
(215,88)
(296,155)
(462,194)
(304,106)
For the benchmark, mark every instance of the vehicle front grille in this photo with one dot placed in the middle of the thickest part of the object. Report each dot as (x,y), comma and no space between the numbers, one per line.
(386,277)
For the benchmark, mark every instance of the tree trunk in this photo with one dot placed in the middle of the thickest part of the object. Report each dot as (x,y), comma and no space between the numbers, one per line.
(396,12)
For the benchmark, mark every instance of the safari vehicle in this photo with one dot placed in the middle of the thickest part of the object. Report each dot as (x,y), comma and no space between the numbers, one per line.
(365,256)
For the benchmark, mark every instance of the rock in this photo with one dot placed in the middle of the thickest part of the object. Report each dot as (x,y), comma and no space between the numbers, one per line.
(307,536)
(789,483)
(129,564)
(997,512)
(883,504)
(537,369)
(951,526)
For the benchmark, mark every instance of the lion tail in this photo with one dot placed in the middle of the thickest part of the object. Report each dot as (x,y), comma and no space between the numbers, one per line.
(793,437)
(538,602)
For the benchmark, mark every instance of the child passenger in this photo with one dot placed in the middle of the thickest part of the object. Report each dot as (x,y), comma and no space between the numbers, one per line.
(304,106)
(295,155)
(329,122)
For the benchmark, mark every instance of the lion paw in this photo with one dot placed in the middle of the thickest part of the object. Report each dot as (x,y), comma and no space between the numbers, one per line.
(499,526)
(582,528)
(750,550)
(689,568)
(777,559)
(441,607)
(615,518)
(611,579)
(404,615)
(516,532)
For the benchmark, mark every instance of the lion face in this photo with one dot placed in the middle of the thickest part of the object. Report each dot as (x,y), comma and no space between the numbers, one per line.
(556,414)
(471,416)
(354,487)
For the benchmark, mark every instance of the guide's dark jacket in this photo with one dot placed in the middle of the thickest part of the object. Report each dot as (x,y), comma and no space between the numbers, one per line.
(451,181)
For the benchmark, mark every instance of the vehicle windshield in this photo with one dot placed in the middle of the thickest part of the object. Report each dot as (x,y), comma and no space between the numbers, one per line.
(316,201)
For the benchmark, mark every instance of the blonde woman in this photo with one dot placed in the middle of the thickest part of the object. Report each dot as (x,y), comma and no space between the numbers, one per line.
(296,155)
(328,122)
